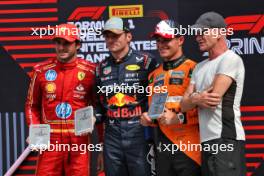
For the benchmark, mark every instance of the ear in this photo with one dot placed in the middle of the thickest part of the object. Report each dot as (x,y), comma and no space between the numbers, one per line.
(78,45)
(129,36)
(181,40)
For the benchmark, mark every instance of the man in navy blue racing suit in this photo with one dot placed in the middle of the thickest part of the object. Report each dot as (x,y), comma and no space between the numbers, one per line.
(122,87)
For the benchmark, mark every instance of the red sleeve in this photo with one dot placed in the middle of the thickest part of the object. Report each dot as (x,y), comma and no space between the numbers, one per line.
(99,126)
(95,103)
(33,101)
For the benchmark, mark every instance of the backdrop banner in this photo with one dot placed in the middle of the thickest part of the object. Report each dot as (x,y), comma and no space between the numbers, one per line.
(25,41)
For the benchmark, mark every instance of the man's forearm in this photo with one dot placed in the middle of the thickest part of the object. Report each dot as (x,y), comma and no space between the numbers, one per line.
(187,104)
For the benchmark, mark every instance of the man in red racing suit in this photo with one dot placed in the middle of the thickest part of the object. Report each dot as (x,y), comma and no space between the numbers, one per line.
(58,88)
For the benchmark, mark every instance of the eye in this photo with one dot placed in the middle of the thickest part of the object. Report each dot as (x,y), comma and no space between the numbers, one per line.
(158,40)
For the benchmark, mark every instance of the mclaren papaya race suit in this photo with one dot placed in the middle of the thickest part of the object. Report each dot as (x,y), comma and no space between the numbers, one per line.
(56,91)
(175,75)
(122,90)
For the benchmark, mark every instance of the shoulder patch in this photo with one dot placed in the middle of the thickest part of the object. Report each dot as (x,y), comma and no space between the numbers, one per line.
(45,65)
(151,79)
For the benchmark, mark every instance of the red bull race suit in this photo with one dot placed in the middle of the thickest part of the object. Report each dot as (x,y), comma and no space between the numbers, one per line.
(122,89)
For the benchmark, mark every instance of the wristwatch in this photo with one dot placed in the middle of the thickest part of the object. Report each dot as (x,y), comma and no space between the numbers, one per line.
(181,117)
(193,94)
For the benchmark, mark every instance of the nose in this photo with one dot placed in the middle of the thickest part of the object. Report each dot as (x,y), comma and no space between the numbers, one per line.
(109,39)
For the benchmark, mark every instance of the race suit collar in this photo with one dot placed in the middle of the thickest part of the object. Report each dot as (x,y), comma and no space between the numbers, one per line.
(174,63)
(125,58)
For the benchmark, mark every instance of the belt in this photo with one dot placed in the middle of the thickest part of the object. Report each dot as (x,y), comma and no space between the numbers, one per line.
(62,130)
(119,120)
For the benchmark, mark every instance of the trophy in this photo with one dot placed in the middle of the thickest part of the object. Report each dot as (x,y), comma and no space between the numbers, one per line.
(157,105)
(83,120)
(39,136)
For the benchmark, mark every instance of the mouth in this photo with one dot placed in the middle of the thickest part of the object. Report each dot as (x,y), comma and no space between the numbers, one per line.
(63,55)
(200,43)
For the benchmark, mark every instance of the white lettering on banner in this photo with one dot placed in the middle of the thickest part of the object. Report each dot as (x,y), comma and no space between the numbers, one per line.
(95,58)
(90,30)
(93,38)
(89,24)
(131,24)
(101,46)
(243,46)
(93,46)
(144,45)
(101,52)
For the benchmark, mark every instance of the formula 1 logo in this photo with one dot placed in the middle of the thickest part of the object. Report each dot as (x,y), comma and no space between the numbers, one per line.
(87,12)
(252,23)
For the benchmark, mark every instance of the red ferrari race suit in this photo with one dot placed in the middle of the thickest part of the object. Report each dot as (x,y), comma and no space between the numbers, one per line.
(56,91)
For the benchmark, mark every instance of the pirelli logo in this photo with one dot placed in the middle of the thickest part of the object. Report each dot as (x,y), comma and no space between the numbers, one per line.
(127,11)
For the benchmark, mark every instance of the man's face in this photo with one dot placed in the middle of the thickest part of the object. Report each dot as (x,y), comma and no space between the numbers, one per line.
(208,40)
(168,48)
(65,50)
(117,42)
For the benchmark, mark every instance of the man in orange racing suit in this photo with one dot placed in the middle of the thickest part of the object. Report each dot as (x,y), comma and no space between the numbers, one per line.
(58,87)
(175,128)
